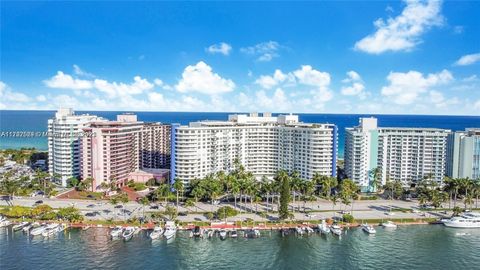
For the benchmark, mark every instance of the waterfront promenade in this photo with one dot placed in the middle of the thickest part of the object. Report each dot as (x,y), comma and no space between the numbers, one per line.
(321,209)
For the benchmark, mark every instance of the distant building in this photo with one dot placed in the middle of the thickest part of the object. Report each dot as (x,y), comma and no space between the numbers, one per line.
(463,154)
(122,147)
(262,144)
(405,154)
(63,143)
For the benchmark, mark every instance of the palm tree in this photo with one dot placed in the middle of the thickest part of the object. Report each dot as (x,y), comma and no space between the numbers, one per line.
(295,184)
(376,183)
(178,186)
(144,201)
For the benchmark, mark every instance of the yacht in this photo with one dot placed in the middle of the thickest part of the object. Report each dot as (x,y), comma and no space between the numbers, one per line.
(223,234)
(336,229)
(368,229)
(20,226)
(128,233)
(116,232)
(299,230)
(323,228)
(31,226)
(39,230)
(210,233)
(157,232)
(62,227)
(170,229)
(466,220)
(50,230)
(234,234)
(389,224)
(256,233)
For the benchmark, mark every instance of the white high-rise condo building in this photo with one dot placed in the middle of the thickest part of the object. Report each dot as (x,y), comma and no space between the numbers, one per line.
(262,144)
(63,143)
(405,154)
(463,154)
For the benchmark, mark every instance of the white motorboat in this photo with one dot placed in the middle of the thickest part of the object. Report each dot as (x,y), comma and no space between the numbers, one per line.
(5,223)
(323,228)
(368,229)
(256,233)
(50,230)
(20,226)
(156,233)
(210,233)
(62,227)
(389,224)
(309,230)
(170,230)
(2,218)
(336,229)
(234,234)
(116,232)
(466,220)
(197,231)
(299,230)
(223,234)
(39,230)
(31,226)
(128,233)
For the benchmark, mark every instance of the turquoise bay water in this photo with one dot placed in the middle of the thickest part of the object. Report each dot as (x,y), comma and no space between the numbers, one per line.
(37,121)
(408,247)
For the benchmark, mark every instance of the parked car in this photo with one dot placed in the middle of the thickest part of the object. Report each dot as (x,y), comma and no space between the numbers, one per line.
(154,207)
(39,202)
(91,205)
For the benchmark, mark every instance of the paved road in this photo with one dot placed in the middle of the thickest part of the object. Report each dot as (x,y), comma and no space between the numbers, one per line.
(321,209)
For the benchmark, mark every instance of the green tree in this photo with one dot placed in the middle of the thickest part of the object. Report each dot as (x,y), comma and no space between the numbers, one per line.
(170,212)
(284,179)
(70,213)
(144,202)
(178,186)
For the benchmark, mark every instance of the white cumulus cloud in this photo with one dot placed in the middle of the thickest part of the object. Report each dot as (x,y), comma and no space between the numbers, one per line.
(267,81)
(356,88)
(200,78)
(403,32)
(222,48)
(264,51)
(65,81)
(468,59)
(113,89)
(309,76)
(405,88)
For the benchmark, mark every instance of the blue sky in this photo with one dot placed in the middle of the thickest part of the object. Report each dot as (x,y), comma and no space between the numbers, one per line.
(418,57)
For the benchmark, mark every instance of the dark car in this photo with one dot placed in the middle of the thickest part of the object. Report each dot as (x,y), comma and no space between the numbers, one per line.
(118,206)
(90,196)
(91,205)
(182,214)
(154,207)
(39,202)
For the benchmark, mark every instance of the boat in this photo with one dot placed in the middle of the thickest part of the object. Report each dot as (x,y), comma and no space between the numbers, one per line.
(116,232)
(336,229)
(128,233)
(285,231)
(20,226)
(234,234)
(368,229)
(256,233)
(50,230)
(466,220)
(389,224)
(62,227)
(5,223)
(156,233)
(197,231)
(39,230)
(299,230)
(323,228)
(170,230)
(223,234)
(210,233)
(309,230)
(31,226)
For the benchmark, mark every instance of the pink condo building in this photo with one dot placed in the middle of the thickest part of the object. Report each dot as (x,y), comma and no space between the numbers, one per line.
(120,149)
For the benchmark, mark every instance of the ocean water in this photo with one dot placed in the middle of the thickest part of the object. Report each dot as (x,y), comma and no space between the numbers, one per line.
(37,121)
(408,247)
